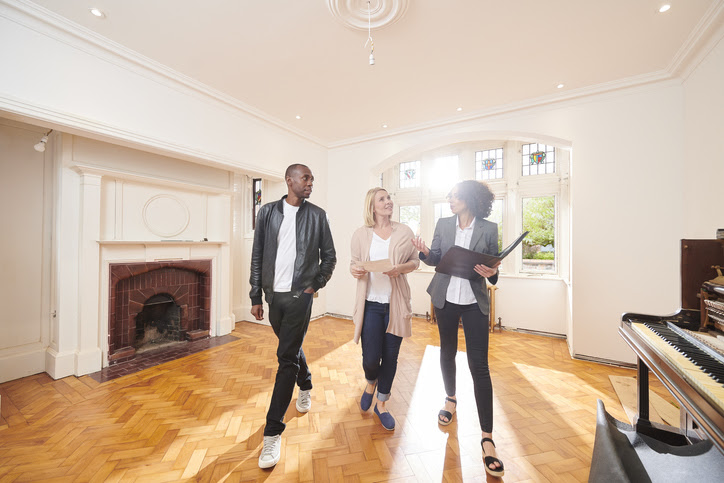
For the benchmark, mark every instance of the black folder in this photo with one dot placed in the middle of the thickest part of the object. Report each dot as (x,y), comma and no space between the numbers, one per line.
(459,261)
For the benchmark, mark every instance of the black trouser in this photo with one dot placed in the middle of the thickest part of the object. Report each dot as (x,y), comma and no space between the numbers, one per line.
(289,317)
(475,326)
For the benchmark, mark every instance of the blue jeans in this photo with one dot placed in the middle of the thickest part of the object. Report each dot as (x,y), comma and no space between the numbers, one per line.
(379,349)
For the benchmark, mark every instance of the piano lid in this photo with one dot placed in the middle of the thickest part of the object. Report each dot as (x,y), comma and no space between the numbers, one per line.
(697,258)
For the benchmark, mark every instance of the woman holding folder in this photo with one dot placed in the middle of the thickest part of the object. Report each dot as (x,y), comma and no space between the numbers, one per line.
(456,298)
(382,255)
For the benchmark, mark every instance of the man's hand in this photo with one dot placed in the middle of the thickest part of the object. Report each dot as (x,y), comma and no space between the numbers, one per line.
(257,311)
(309,290)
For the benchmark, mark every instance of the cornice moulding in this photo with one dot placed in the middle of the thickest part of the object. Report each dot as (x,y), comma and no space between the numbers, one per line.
(73,124)
(702,39)
(101,171)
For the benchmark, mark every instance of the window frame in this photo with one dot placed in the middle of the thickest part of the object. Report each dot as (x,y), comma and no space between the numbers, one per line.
(511,189)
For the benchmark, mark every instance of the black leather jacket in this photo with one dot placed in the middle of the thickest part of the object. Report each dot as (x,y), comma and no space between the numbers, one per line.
(314,242)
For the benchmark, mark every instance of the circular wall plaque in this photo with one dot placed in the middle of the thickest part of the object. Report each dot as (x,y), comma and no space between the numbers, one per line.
(165,215)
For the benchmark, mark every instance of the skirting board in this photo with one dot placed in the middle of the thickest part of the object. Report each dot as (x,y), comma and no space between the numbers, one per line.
(22,365)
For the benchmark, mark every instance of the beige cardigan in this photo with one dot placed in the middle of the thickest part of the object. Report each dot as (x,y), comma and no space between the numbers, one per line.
(401,251)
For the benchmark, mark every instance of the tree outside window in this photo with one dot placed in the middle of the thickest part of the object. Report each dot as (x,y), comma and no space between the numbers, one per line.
(539,216)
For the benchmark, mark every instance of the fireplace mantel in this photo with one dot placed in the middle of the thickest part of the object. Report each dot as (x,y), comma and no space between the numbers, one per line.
(160,242)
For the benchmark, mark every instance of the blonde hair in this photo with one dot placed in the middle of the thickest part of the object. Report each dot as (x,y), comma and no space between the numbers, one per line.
(368,213)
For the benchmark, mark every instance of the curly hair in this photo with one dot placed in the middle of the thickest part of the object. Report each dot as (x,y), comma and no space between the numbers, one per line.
(477,197)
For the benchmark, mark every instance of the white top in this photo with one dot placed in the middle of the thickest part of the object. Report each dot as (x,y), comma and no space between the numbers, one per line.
(286,250)
(459,291)
(379,287)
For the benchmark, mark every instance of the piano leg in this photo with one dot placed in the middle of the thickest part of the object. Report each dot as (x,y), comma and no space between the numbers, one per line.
(643,390)
(642,424)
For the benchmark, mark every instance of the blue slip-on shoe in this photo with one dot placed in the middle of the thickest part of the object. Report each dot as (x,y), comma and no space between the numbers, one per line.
(365,401)
(388,422)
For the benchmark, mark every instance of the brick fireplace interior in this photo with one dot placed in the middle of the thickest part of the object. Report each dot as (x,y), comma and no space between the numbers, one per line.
(157,304)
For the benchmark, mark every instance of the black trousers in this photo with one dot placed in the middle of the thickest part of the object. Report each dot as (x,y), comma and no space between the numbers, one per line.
(289,317)
(475,326)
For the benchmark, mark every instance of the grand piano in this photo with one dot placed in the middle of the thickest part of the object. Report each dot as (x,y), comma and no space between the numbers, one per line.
(682,350)
(677,350)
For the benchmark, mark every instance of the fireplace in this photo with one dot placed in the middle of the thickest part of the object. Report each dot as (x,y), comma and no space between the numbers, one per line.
(157,304)
(158,324)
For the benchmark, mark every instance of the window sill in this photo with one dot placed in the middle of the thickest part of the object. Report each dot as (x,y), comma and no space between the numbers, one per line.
(521,276)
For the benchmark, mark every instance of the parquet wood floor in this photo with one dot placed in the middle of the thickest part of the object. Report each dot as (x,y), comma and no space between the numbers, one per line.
(201,418)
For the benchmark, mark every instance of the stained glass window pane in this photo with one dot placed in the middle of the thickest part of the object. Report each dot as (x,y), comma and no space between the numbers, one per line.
(255,200)
(442,210)
(489,164)
(539,246)
(538,159)
(410,174)
(410,216)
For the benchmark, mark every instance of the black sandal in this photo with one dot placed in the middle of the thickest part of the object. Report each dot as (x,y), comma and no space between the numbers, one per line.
(489,460)
(446,414)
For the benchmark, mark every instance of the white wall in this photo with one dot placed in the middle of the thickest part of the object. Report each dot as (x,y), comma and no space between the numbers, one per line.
(702,168)
(24,251)
(626,196)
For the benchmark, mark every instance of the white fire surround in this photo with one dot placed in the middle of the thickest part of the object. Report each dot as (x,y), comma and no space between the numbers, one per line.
(108,216)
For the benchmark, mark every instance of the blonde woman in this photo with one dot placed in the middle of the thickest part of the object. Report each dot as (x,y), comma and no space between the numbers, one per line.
(382,313)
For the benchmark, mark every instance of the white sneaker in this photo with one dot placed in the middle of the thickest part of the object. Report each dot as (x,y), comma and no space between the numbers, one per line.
(271,452)
(304,401)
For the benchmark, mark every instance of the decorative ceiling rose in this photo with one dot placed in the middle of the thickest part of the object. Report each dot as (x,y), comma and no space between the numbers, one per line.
(353,13)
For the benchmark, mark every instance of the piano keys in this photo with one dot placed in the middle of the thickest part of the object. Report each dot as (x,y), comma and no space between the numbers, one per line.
(689,370)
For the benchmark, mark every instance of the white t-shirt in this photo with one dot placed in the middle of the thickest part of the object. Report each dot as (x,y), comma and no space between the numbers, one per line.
(286,250)
(459,291)
(379,287)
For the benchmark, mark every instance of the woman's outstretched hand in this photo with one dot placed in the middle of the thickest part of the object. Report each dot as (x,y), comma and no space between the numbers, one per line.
(420,246)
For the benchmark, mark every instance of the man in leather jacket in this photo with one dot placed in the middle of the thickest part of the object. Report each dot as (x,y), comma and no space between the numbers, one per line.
(293,256)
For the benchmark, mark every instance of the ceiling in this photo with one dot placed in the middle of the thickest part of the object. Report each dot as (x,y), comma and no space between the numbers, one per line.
(289,58)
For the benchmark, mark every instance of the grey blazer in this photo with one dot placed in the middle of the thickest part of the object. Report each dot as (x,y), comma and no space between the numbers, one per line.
(484,240)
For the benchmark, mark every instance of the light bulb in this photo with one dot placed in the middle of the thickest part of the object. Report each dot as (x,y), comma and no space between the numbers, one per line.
(372,59)
(40,147)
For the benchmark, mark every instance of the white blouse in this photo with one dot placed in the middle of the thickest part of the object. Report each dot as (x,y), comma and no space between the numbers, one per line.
(379,287)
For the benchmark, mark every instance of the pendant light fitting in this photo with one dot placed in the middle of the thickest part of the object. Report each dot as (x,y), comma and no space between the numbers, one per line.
(369,34)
